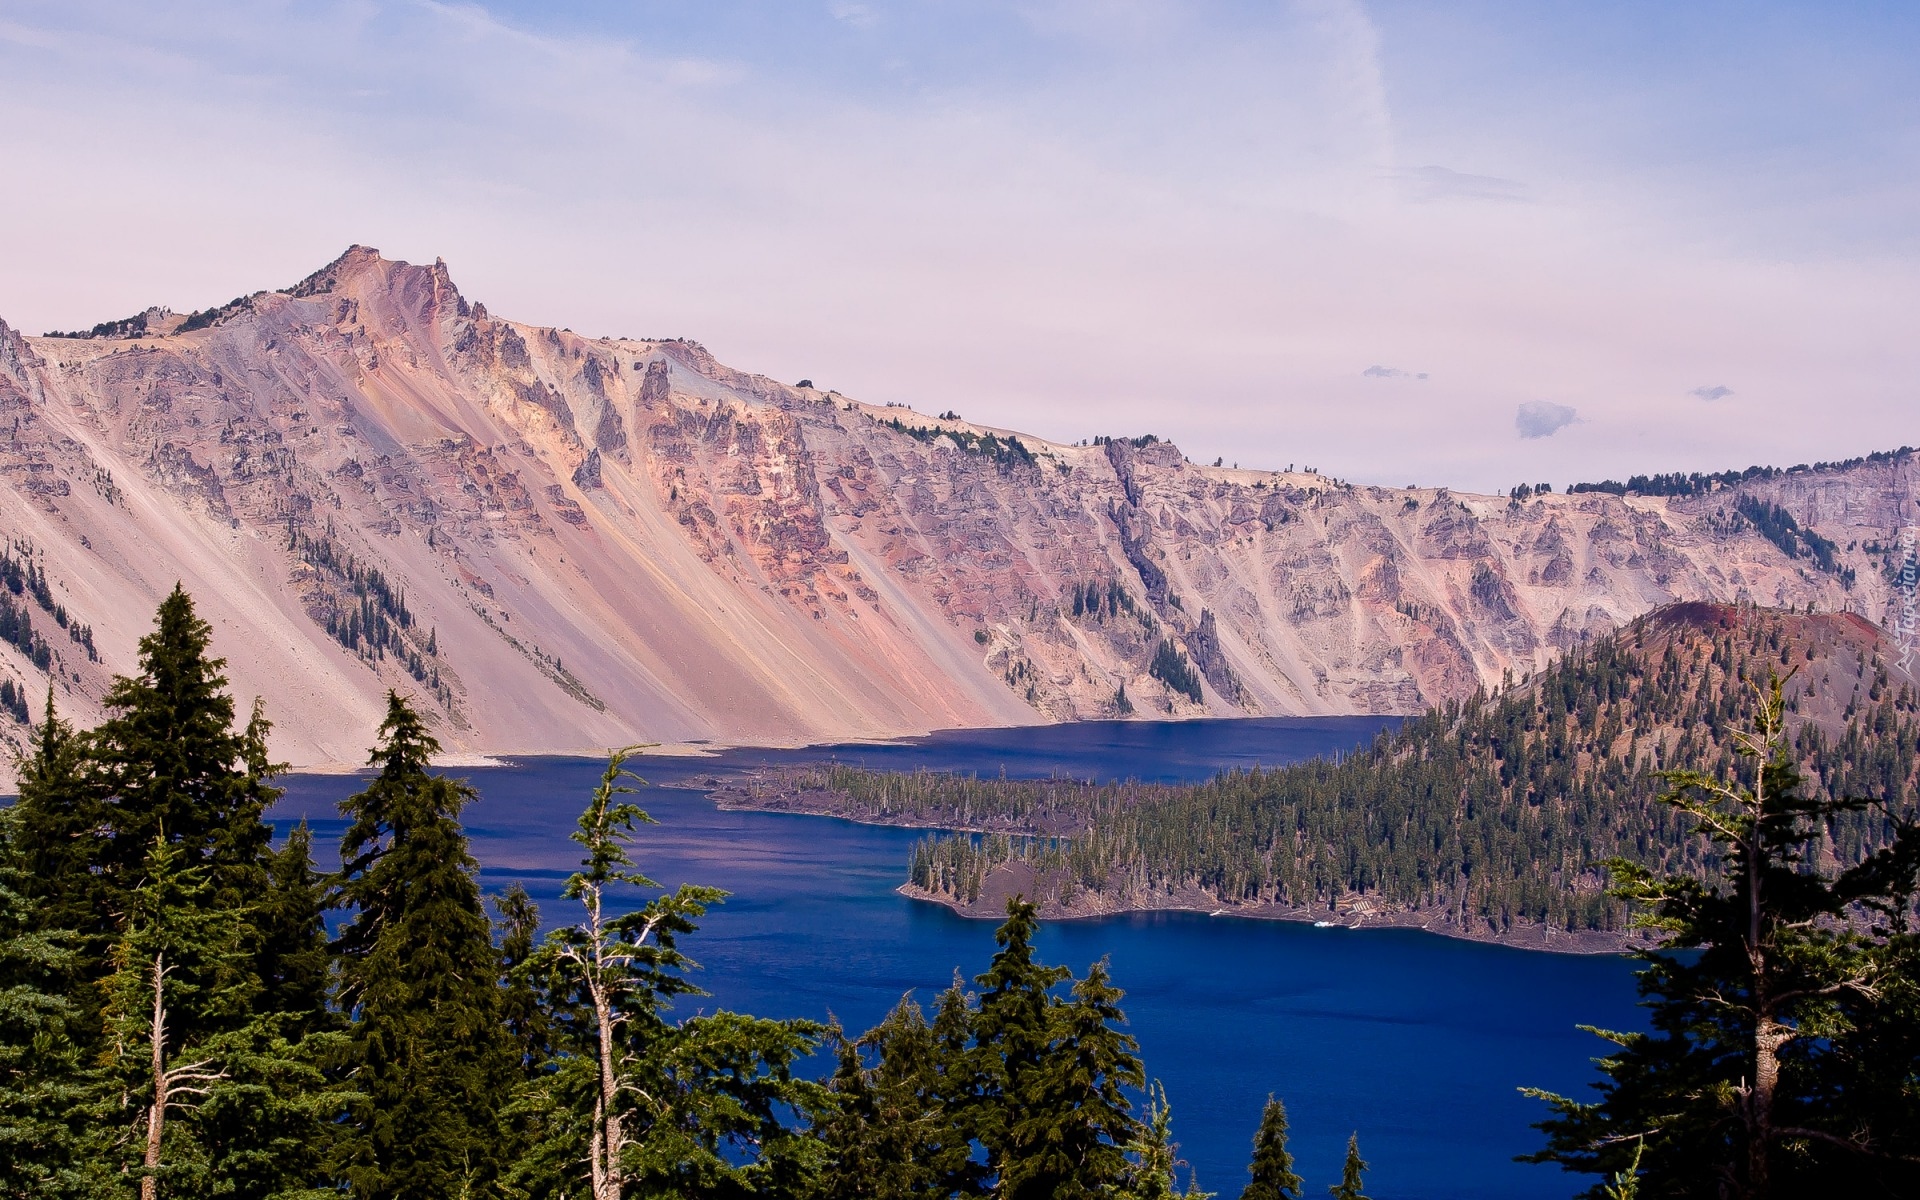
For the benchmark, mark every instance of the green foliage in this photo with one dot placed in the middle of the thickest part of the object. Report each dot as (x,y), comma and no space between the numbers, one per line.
(48,1093)
(1487,814)
(171,764)
(1351,1173)
(417,976)
(1781,1058)
(1272,1166)
(678,1108)
(1777,525)
(1156,1156)
(1170,667)
(1008,451)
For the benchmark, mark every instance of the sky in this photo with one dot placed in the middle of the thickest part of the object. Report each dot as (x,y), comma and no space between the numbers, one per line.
(1465,244)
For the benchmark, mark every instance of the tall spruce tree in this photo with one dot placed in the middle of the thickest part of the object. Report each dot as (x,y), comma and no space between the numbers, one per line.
(1056,1121)
(291,923)
(1272,1166)
(58,824)
(889,1133)
(1781,1058)
(417,973)
(173,765)
(49,1148)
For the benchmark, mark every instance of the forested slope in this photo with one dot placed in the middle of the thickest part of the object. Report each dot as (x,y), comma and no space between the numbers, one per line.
(1484,817)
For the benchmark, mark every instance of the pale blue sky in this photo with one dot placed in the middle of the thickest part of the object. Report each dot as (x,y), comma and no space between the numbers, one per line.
(1206,220)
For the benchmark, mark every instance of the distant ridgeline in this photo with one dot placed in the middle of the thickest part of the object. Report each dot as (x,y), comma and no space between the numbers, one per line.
(1485,818)
(1695,483)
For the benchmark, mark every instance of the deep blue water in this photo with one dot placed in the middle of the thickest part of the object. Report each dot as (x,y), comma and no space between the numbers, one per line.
(1417,1042)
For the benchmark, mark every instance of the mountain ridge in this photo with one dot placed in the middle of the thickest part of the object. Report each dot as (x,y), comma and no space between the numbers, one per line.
(561,543)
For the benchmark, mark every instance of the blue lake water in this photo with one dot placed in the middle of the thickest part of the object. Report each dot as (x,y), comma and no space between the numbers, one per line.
(1417,1042)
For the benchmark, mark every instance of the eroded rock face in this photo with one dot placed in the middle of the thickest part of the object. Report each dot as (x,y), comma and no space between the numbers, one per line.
(565,543)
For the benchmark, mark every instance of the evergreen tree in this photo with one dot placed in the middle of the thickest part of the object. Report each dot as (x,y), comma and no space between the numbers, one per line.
(47,1092)
(54,845)
(270,1126)
(1781,1056)
(417,974)
(1272,1166)
(291,920)
(1054,1122)
(692,1108)
(889,1134)
(523,1003)
(1351,1173)
(1156,1156)
(176,954)
(174,765)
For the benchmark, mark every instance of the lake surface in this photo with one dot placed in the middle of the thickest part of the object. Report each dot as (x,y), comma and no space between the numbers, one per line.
(1417,1042)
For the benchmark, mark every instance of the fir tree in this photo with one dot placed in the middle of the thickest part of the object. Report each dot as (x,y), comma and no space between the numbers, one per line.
(523,1003)
(291,920)
(1055,1121)
(1351,1173)
(47,1092)
(270,1126)
(889,1134)
(176,954)
(690,1108)
(417,973)
(174,765)
(53,845)
(1780,1059)
(1156,1156)
(1272,1166)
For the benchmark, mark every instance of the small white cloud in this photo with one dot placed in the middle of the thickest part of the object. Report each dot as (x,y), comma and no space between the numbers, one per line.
(1717,392)
(1543,418)
(857,15)
(1379,372)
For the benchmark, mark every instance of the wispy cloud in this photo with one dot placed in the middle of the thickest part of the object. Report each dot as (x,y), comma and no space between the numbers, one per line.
(995,206)
(1543,418)
(1716,392)
(1443,183)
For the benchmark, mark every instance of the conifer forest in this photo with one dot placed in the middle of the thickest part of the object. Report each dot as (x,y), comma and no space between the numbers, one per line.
(190,1006)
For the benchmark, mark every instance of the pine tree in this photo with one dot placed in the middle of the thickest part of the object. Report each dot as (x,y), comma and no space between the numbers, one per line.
(174,765)
(176,954)
(1156,1156)
(1272,1166)
(270,1126)
(417,973)
(1351,1173)
(1055,1121)
(47,1092)
(1780,1061)
(291,920)
(888,1133)
(54,845)
(690,1108)
(523,1003)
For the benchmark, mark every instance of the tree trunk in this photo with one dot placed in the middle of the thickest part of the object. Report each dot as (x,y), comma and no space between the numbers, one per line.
(610,1181)
(157,1114)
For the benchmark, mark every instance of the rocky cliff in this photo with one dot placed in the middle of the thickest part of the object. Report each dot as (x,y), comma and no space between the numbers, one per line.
(561,543)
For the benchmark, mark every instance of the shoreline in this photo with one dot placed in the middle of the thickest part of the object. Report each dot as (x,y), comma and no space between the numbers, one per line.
(1533,938)
(1008,879)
